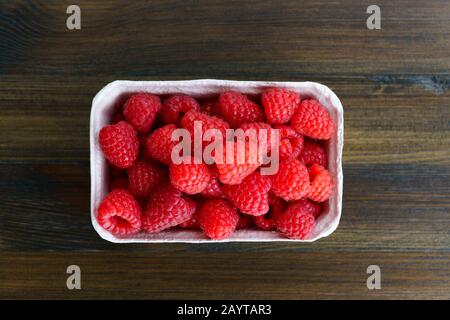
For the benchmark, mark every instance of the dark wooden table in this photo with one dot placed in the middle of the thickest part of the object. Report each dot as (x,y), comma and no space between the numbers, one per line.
(393,83)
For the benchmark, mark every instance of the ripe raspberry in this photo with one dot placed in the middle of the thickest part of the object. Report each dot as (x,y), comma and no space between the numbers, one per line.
(141,110)
(160,144)
(308,206)
(176,104)
(313,153)
(192,223)
(143,177)
(295,223)
(208,122)
(166,208)
(217,219)
(214,188)
(268,221)
(251,195)
(119,183)
(321,183)
(240,166)
(279,105)
(291,142)
(260,130)
(211,107)
(119,213)
(245,222)
(291,182)
(237,109)
(312,120)
(190,177)
(120,144)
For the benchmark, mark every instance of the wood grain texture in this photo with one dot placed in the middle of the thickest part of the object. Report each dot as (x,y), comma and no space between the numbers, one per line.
(394,85)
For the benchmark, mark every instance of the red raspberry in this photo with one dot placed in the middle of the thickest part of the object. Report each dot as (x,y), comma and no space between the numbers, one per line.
(259,128)
(190,177)
(237,109)
(214,188)
(175,105)
(141,110)
(308,206)
(245,222)
(120,144)
(321,183)
(166,208)
(312,120)
(119,183)
(160,144)
(295,223)
(192,223)
(208,122)
(251,195)
(291,182)
(313,153)
(143,177)
(236,171)
(211,107)
(291,142)
(119,213)
(268,221)
(217,219)
(279,104)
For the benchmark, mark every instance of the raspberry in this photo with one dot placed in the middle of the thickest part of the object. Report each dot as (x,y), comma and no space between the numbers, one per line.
(259,128)
(312,120)
(143,177)
(176,104)
(245,222)
(240,167)
(313,153)
(214,188)
(192,223)
(191,177)
(211,107)
(119,183)
(268,221)
(217,219)
(119,213)
(208,122)
(120,144)
(295,223)
(321,183)
(166,208)
(310,207)
(141,110)
(160,144)
(291,182)
(279,104)
(291,142)
(237,109)
(251,195)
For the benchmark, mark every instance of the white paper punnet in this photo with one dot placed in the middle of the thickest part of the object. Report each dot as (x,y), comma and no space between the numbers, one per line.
(113,95)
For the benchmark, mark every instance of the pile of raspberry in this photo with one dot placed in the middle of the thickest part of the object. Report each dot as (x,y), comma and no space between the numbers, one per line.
(149,193)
